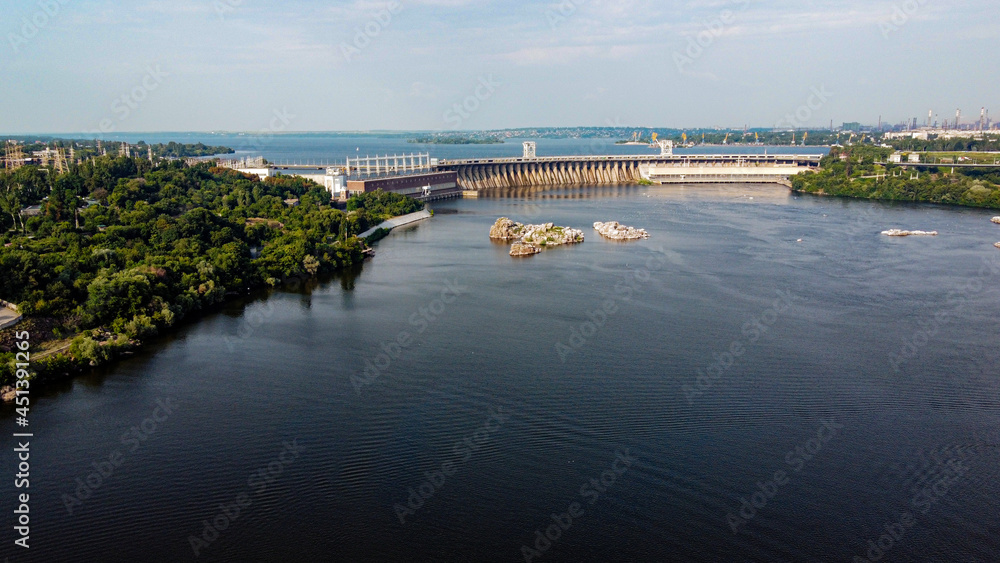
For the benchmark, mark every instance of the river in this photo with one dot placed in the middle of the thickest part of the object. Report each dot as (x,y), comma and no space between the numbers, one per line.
(766,378)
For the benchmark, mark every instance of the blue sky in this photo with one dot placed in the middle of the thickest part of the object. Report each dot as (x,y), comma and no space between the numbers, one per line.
(240,65)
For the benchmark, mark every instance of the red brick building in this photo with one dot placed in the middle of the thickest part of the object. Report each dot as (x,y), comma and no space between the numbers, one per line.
(435,185)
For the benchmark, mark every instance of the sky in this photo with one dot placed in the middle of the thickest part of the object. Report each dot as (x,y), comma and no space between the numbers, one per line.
(298,65)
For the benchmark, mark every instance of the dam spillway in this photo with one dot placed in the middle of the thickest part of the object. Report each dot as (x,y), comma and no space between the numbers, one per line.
(483,174)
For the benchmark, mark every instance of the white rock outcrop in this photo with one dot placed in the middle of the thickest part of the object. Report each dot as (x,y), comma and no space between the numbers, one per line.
(505,229)
(521,249)
(902,233)
(996,220)
(537,237)
(616,231)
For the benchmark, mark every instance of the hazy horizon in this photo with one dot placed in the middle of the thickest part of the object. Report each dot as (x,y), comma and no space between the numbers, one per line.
(432,65)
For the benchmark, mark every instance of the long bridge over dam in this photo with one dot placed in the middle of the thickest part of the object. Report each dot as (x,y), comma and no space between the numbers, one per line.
(420,176)
(479,174)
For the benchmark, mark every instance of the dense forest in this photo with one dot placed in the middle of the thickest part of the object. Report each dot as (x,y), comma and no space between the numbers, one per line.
(121,249)
(860,171)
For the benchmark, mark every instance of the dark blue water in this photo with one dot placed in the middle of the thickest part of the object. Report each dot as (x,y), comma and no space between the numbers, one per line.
(843,384)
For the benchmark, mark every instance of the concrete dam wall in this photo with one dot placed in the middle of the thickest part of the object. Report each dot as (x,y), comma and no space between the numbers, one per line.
(605,170)
(525,174)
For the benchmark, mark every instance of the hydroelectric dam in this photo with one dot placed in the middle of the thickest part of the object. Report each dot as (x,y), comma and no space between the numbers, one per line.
(426,178)
(665,168)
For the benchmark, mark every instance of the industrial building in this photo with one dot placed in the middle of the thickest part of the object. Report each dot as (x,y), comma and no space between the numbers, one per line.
(426,187)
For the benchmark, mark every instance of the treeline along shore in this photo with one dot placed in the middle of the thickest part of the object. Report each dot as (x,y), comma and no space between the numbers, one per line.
(118,249)
(865,172)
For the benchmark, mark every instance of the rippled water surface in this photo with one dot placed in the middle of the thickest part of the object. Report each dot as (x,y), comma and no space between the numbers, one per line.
(758,342)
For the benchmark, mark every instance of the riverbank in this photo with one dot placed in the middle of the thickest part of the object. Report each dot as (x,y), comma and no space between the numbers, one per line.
(863,172)
(391,224)
(8,318)
(139,260)
(56,356)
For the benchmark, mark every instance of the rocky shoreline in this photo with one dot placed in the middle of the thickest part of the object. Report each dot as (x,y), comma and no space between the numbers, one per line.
(521,249)
(531,239)
(615,231)
(902,233)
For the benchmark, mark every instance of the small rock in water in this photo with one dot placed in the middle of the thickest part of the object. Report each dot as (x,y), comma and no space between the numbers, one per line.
(522,249)
(505,229)
(996,220)
(902,233)
(615,231)
(996,244)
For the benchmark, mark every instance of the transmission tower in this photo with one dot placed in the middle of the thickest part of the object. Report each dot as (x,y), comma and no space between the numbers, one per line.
(14,157)
(60,161)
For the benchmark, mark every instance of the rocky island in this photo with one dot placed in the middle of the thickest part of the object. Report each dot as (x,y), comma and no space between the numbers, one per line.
(615,231)
(531,239)
(902,233)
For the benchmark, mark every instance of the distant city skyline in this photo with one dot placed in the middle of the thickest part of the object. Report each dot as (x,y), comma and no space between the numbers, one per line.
(93,66)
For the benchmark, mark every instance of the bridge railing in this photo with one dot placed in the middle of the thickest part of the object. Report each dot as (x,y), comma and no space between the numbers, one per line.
(636,158)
